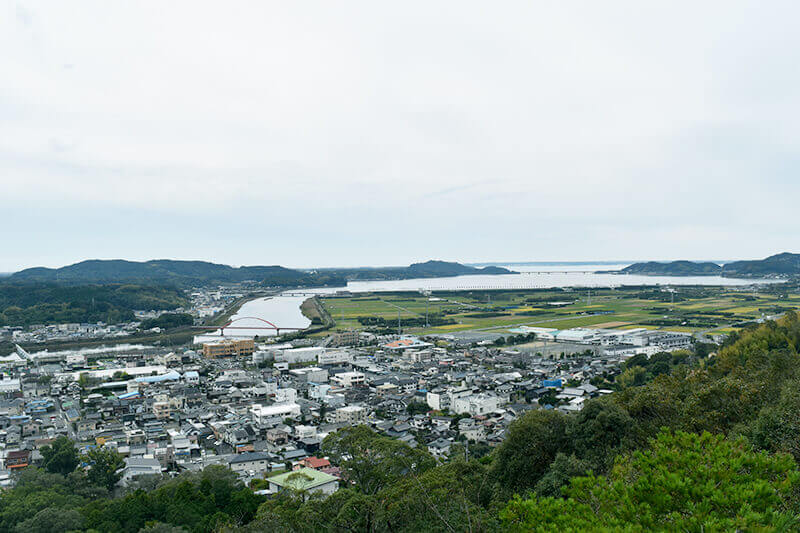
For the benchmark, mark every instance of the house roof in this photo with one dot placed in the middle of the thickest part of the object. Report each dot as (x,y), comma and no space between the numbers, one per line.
(316,462)
(303,479)
(142,462)
(249,456)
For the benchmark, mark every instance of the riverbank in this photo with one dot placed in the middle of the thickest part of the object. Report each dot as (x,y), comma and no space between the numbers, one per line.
(313,310)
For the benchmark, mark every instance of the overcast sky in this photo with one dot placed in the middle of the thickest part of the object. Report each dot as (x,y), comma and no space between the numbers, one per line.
(377,133)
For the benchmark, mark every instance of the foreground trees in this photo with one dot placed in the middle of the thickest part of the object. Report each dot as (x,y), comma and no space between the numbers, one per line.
(684,482)
(60,457)
(201,502)
(531,444)
(372,461)
(105,465)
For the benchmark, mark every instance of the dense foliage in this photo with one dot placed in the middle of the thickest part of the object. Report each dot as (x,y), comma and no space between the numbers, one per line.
(684,482)
(379,322)
(168,321)
(22,304)
(690,442)
(201,502)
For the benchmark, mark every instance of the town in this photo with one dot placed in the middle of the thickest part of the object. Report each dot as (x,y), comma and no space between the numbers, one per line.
(263,408)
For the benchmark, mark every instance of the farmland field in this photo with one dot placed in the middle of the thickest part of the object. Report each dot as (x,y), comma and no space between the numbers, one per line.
(687,309)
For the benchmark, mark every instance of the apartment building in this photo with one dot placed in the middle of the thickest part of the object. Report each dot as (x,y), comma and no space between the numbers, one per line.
(228,348)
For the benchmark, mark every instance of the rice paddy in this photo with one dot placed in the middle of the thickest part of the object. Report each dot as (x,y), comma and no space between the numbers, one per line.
(695,309)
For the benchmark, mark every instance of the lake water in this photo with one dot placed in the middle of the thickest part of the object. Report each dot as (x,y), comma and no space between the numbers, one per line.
(538,276)
(284,310)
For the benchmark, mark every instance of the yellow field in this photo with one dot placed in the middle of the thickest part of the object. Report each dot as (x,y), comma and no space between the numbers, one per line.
(722,331)
(743,310)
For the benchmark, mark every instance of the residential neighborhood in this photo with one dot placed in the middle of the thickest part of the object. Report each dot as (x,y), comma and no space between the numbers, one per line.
(264,408)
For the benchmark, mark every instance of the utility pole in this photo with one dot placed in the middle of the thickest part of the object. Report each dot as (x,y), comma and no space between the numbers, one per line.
(427,303)
(399,329)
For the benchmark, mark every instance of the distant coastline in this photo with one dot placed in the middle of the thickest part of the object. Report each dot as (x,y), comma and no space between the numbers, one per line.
(783,265)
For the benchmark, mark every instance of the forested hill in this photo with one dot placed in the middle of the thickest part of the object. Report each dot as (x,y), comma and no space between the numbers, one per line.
(780,265)
(23,304)
(785,264)
(169,272)
(444,268)
(428,269)
(185,273)
(673,268)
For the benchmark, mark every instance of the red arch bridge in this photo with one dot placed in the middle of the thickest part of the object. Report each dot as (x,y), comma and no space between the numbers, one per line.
(265,325)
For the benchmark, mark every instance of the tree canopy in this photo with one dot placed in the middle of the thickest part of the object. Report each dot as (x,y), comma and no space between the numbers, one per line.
(683,482)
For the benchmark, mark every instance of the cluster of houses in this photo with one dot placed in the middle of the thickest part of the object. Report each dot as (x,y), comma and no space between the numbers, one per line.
(266,414)
(64,332)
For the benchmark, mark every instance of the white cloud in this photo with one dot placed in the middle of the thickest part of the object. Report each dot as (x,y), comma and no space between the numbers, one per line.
(672,128)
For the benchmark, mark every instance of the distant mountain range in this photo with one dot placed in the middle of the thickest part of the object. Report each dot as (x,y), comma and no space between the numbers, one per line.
(158,271)
(780,265)
(196,273)
(184,273)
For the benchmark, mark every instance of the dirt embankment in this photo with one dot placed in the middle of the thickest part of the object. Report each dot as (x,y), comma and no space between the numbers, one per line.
(313,310)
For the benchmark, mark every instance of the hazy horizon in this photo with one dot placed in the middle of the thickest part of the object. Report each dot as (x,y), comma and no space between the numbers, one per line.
(368,266)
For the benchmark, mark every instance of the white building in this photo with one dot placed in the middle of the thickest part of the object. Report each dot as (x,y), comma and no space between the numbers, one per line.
(630,351)
(351,414)
(669,341)
(136,467)
(635,336)
(287,395)
(310,374)
(349,379)
(438,401)
(9,386)
(305,432)
(262,414)
(108,373)
(478,404)
(299,355)
(334,357)
(578,335)
(317,391)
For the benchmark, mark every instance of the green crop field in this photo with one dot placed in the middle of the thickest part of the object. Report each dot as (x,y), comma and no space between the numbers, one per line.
(695,309)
